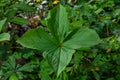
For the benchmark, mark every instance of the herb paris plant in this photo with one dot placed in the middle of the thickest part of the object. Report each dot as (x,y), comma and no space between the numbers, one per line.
(59,45)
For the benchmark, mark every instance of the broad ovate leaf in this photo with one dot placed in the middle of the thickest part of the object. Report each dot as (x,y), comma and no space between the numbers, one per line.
(59,58)
(2,22)
(57,22)
(37,39)
(4,36)
(83,38)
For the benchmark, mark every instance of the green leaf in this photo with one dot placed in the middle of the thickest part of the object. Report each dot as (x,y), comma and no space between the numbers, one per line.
(27,68)
(83,38)
(59,58)
(45,70)
(28,54)
(4,36)
(23,7)
(96,75)
(111,78)
(10,13)
(2,22)
(44,76)
(77,24)
(97,58)
(7,75)
(13,77)
(118,39)
(12,62)
(43,22)
(37,39)
(57,22)
(45,67)
(20,21)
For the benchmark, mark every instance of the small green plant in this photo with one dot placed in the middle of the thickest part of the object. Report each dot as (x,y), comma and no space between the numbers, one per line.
(66,46)
(59,44)
(13,71)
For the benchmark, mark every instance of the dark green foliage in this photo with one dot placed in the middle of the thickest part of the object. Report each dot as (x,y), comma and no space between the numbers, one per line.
(46,41)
